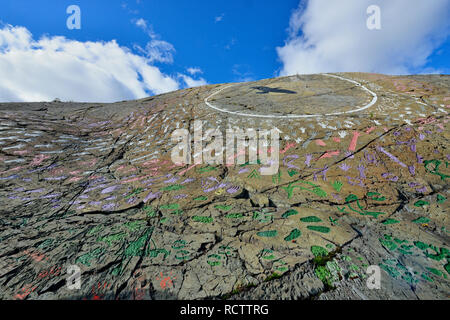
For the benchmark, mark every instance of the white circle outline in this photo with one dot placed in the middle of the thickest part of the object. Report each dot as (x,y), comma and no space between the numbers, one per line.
(293,116)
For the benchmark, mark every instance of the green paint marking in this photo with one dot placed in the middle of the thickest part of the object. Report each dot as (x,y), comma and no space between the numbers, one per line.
(390,270)
(112,238)
(391,245)
(95,230)
(289,213)
(136,248)
(182,255)
(46,243)
(254,174)
(337,185)
(440,198)
(436,163)
(426,277)
(173,206)
(292,173)
(421,203)
(202,219)
(268,234)
(206,169)
(324,275)
(390,221)
(135,192)
(248,163)
(320,229)
(149,211)
(319,251)
(311,219)
(435,271)
(201,198)
(362,211)
(315,189)
(223,207)
(276,178)
(173,187)
(135,225)
(179,244)
(375,196)
(421,220)
(293,235)
(86,258)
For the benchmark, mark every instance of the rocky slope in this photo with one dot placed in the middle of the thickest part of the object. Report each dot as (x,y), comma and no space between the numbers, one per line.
(363,181)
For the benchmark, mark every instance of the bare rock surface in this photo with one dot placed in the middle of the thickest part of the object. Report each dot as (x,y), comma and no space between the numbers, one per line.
(93,185)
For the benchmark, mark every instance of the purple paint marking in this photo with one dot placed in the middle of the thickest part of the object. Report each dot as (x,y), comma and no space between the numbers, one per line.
(344,167)
(309,157)
(362,170)
(109,189)
(152,195)
(392,157)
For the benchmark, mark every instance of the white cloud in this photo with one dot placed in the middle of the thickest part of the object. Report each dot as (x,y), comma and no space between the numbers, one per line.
(194,71)
(219,18)
(190,82)
(56,67)
(332,36)
(156,49)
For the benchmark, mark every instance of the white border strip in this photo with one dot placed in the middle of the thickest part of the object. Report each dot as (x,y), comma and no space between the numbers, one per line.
(292,116)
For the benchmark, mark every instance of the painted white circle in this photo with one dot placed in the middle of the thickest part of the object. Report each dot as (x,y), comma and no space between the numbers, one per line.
(295,116)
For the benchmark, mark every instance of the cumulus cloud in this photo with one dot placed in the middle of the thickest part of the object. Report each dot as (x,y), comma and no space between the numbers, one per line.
(332,36)
(191,82)
(56,67)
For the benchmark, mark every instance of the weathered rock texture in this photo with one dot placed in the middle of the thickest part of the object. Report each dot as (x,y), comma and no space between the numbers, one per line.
(93,185)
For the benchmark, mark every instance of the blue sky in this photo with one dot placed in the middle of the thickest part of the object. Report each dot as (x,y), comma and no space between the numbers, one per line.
(241,45)
(227,41)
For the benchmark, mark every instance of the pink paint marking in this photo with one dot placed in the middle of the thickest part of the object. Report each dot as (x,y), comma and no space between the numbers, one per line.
(21,152)
(352,146)
(320,143)
(186,170)
(89,162)
(288,146)
(38,159)
(337,139)
(370,130)
(241,152)
(148,163)
(74,179)
(330,154)
(74,173)
(135,179)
